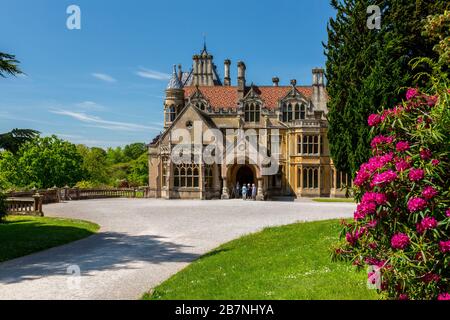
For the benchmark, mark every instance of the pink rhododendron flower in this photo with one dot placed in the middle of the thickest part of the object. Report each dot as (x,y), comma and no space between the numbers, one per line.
(373,245)
(402,165)
(352,238)
(399,241)
(416,174)
(444,296)
(381,140)
(444,246)
(411,93)
(435,162)
(402,146)
(374,119)
(425,154)
(416,204)
(372,223)
(403,296)
(429,192)
(431,277)
(447,212)
(426,223)
(377,197)
(431,100)
(383,178)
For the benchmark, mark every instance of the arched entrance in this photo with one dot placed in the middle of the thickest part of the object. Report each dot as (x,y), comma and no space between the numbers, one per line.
(245,175)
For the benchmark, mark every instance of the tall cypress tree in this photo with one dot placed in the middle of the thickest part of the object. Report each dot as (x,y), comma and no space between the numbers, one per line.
(368,69)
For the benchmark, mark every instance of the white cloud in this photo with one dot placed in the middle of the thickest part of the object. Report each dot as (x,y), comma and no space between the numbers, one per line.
(90,106)
(104,77)
(98,122)
(152,74)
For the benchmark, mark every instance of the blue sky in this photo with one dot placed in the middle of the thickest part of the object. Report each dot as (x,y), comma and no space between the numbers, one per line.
(103,85)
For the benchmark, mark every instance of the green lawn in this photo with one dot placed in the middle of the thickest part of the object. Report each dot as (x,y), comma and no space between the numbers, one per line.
(22,235)
(288,262)
(333,200)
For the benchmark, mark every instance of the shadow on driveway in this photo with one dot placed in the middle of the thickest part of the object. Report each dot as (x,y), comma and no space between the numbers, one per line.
(100,252)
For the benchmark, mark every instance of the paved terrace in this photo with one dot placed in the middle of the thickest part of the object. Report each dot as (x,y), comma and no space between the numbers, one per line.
(142,242)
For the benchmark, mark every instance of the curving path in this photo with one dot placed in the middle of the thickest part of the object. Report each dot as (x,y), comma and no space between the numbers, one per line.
(142,242)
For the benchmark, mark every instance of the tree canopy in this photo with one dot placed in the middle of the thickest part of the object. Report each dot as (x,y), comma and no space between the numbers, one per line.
(369,69)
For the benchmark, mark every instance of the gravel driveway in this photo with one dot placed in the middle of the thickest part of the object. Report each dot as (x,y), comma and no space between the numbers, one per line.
(142,242)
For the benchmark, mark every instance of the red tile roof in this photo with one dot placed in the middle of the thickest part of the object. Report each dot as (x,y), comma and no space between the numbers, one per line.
(227,96)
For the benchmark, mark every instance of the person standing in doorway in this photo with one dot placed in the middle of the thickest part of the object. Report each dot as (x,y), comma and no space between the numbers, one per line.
(238,190)
(253,192)
(244,192)
(249,191)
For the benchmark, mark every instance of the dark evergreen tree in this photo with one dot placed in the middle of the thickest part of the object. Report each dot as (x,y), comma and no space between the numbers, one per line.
(368,69)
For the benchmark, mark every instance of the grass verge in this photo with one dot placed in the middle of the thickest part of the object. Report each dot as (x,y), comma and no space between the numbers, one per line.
(288,262)
(22,235)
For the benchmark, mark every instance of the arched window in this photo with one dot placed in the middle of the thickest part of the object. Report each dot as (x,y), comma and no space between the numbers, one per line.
(252,112)
(209,176)
(310,178)
(170,113)
(200,106)
(186,175)
(297,112)
(302,112)
(289,112)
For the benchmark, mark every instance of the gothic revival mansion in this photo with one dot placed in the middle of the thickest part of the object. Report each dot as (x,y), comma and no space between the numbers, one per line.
(296,112)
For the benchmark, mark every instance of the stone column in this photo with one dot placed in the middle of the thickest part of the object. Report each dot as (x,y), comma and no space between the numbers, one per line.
(260,192)
(225,194)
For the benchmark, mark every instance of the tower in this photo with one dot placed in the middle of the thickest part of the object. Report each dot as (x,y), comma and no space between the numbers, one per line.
(174,101)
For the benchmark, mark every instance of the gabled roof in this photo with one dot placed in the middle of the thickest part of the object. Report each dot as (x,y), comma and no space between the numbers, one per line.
(227,96)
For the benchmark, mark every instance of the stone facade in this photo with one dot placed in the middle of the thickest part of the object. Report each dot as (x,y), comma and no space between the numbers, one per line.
(198,101)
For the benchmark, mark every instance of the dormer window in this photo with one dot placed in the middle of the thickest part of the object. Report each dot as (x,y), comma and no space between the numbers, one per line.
(252,112)
(200,106)
(293,112)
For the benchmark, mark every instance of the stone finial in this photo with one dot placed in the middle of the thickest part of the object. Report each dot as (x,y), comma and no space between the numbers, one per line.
(275,81)
(293,82)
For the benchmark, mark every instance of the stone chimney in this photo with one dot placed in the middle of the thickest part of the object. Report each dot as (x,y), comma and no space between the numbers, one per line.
(227,79)
(241,79)
(275,81)
(196,63)
(319,98)
(180,72)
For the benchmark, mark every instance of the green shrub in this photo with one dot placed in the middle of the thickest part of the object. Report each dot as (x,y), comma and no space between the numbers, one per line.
(3,207)
(401,224)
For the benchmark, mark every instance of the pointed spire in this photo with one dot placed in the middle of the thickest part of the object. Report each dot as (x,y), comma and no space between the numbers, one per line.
(175,82)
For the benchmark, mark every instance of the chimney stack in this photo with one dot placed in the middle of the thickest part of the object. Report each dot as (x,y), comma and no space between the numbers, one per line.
(275,81)
(227,79)
(180,72)
(241,79)
(319,98)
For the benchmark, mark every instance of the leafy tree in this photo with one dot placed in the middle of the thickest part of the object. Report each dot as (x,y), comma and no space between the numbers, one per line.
(135,150)
(43,163)
(116,155)
(139,171)
(11,141)
(368,69)
(8,65)
(94,164)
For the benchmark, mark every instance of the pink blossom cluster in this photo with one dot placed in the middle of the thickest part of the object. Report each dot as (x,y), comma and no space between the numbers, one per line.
(402,164)
(374,120)
(429,192)
(444,296)
(444,246)
(352,238)
(435,162)
(425,154)
(447,212)
(426,224)
(402,146)
(399,241)
(416,174)
(374,163)
(394,112)
(430,277)
(383,178)
(416,204)
(381,140)
(411,93)
(369,203)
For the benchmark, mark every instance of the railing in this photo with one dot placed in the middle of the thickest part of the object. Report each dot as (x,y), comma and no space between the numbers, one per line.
(30,202)
(25,205)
